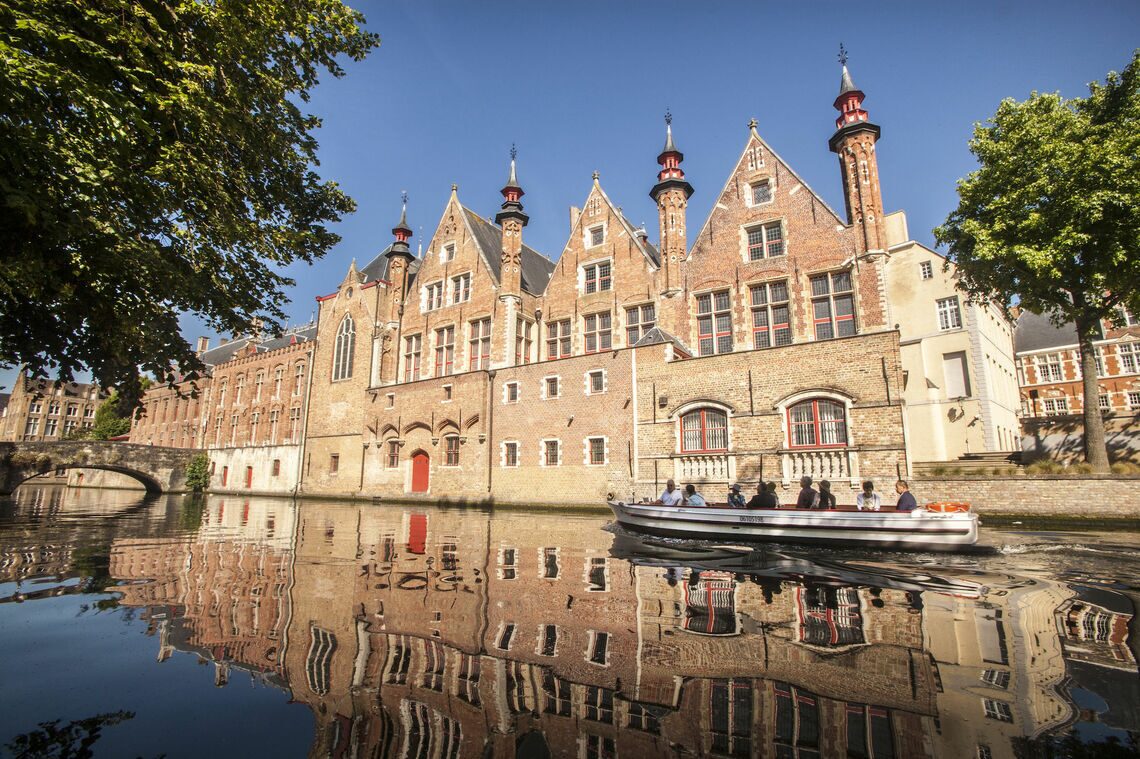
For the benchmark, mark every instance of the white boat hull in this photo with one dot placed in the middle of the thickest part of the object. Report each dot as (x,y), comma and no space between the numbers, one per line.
(920,529)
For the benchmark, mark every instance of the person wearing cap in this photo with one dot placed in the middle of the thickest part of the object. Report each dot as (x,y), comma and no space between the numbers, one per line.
(735,497)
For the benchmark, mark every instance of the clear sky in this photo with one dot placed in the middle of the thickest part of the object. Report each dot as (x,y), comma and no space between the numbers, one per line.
(580,86)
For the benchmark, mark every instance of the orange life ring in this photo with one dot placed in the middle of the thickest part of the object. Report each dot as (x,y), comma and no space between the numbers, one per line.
(948,506)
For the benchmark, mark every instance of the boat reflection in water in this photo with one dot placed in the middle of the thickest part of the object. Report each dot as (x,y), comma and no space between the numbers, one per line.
(427,632)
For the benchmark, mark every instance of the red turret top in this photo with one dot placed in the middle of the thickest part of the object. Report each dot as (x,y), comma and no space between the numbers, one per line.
(850,101)
(670,158)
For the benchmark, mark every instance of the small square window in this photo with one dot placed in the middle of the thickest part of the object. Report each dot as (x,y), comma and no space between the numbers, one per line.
(597,236)
(447,392)
(511,392)
(449,252)
(761,193)
(510,454)
(597,451)
(552,389)
(927,270)
(597,381)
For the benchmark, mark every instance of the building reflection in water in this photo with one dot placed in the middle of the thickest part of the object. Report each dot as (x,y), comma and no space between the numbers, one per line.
(445,633)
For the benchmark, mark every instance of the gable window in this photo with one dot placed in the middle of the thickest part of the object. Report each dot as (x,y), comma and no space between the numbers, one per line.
(451,450)
(761,193)
(558,339)
(413,350)
(461,288)
(926,269)
(714,323)
(818,422)
(638,321)
(596,236)
(393,454)
(444,351)
(479,347)
(833,305)
(598,277)
(524,342)
(434,296)
(598,334)
(771,316)
(766,241)
(949,313)
(704,430)
(342,353)
(449,252)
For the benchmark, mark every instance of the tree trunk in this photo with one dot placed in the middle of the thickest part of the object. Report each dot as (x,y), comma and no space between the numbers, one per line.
(1096,449)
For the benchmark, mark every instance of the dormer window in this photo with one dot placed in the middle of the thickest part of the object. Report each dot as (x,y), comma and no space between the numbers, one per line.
(596,236)
(761,193)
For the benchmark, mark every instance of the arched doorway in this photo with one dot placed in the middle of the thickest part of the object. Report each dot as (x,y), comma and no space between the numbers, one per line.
(420,468)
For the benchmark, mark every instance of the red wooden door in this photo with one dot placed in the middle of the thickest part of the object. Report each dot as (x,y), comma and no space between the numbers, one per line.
(419,472)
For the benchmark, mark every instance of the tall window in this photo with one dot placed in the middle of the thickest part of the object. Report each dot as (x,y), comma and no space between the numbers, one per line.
(598,335)
(274,417)
(221,397)
(1048,367)
(413,350)
(714,323)
(598,277)
(599,703)
(451,450)
(279,372)
(558,339)
(704,430)
(479,347)
(258,383)
(434,296)
(597,454)
(393,454)
(833,305)
(926,269)
(817,423)
(797,726)
(638,321)
(510,454)
(1129,355)
(730,718)
(444,351)
(322,646)
(342,352)
(299,378)
(461,288)
(765,241)
(254,420)
(524,340)
(239,388)
(294,424)
(550,452)
(771,316)
(949,314)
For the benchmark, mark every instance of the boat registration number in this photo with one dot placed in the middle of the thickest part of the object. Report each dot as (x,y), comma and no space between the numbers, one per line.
(753,520)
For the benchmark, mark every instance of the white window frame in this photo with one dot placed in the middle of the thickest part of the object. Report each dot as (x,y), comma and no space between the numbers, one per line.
(588,384)
(503,454)
(582,275)
(951,309)
(343,350)
(546,383)
(426,298)
(507,393)
(605,450)
(588,235)
(463,290)
(1133,397)
(926,270)
(591,642)
(763,226)
(447,252)
(770,182)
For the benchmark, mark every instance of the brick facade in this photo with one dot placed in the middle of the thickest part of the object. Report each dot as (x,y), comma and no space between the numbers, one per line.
(47,410)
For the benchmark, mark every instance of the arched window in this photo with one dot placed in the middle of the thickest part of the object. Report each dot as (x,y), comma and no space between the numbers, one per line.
(342,354)
(817,423)
(704,430)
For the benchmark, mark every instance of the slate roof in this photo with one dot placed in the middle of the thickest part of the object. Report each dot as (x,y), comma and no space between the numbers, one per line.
(1035,332)
(536,268)
(846,84)
(658,336)
(228,352)
(377,268)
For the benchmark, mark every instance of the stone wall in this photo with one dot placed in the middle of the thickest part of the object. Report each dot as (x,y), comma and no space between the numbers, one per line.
(1061,438)
(1038,495)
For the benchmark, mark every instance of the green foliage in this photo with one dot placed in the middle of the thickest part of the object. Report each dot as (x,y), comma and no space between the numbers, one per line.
(155,161)
(198,473)
(1049,219)
(110,421)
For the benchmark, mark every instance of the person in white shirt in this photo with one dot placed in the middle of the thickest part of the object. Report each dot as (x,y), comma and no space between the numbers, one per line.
(693,498)
(868,500)
(670,496)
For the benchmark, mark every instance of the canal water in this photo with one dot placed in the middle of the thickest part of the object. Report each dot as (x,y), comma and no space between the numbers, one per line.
(246,627)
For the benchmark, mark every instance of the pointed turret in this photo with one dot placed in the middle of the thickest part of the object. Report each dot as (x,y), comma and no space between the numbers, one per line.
(512,219)
(402,232)
(854,142)
(671,193)
(399,259)
(512,208)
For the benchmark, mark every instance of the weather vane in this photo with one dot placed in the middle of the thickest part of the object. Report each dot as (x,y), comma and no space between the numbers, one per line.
(404,196)
(668,117)
(842,55)
(514,152)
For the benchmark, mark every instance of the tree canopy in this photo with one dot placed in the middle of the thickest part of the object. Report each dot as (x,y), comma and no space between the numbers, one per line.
(155,160)
(1051,218)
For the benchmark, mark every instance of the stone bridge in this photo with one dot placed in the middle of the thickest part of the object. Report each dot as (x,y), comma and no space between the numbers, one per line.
(160,470)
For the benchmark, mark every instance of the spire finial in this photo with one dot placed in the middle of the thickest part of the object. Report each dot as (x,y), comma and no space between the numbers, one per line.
(842,55)
(753,123)
(596,175)
(514,152)
(668,117)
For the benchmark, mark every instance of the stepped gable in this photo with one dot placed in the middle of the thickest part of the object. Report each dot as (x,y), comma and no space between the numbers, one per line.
(1036,332)
(536,268)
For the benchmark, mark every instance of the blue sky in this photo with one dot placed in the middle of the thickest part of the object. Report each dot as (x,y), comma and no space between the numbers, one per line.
(580,86)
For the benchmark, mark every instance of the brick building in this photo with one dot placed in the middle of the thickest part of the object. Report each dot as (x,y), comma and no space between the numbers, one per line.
(485,371)
(47,410)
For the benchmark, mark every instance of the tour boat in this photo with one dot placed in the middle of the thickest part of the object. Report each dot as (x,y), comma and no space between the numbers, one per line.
(944,527)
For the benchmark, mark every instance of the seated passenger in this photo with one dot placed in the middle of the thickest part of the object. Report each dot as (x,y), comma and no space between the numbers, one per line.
(906,498)
(670,496)
(808,497)
(765,497)
(693,498)
(735,497)
(868,500)
(826,499)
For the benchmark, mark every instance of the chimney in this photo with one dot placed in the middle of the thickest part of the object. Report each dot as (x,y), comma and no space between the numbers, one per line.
(575,214)
(203,345)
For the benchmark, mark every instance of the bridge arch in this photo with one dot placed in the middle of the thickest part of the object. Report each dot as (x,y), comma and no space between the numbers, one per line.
(160,470)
